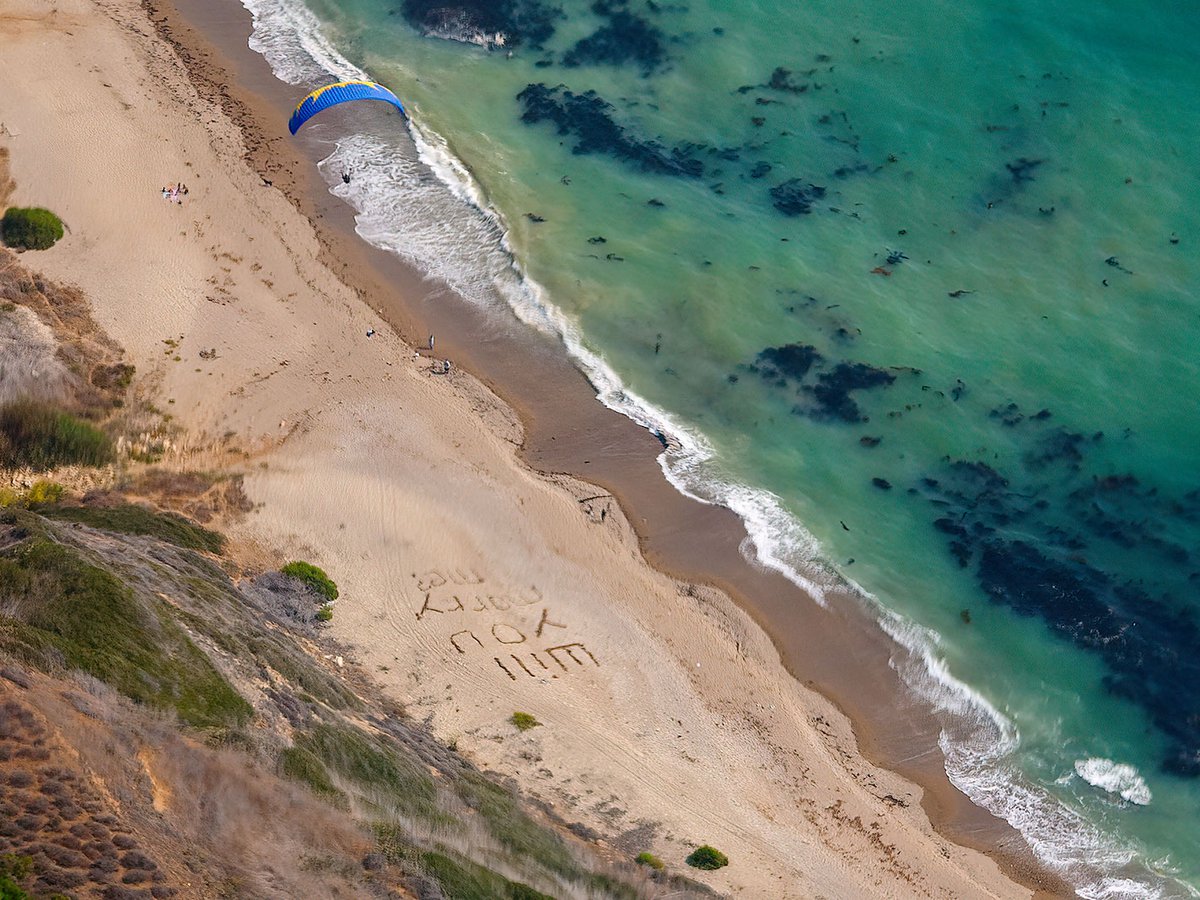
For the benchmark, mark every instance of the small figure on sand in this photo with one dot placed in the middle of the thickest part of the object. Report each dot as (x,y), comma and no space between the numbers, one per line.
(370,332)
(345,178)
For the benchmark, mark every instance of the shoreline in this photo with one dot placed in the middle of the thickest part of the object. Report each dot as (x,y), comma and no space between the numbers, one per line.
(568,432)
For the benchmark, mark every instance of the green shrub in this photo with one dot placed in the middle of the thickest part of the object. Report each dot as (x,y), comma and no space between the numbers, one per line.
(325,613)
(41,493)
(707,857)
(41,437)
(16,866)
(30,228)
(130,518)
(646,858)
(314,577)
(524,721)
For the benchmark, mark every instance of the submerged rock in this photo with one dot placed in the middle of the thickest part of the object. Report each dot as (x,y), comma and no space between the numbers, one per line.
(1021,170)
(1057,446)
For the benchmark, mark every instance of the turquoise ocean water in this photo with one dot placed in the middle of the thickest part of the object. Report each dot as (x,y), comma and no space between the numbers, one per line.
(912,288)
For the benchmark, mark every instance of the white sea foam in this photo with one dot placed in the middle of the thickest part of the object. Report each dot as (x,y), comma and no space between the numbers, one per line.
(1115,778)
(427,208)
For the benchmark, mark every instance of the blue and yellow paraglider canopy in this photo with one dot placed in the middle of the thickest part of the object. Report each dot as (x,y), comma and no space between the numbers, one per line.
(341,92)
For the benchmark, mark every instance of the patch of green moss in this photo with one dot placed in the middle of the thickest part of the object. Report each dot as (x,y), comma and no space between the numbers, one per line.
(646,858)
(10,890)
(608,886)
(63,610)
(292,664)
(130,518)
(21,524)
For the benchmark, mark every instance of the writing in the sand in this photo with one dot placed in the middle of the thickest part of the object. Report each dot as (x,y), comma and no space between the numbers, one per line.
(460,591)
(566,656)
(575,651)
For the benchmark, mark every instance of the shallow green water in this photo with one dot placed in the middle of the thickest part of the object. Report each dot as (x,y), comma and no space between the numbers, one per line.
(1030,170)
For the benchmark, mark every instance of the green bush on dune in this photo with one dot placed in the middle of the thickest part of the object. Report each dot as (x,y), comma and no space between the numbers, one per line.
(524,721)
(707,857)
(313,576)
(30,228)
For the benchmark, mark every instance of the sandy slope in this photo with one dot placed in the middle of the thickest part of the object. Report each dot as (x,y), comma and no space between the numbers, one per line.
(470,585)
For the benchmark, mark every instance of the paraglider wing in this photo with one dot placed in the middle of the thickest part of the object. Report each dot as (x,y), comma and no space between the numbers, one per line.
(341,92)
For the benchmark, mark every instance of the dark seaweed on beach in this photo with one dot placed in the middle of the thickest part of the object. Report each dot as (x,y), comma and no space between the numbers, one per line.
(588,117)
(478,21)
(625,38)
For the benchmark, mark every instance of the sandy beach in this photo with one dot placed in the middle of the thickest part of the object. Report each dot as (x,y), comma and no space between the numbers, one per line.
(473,585)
